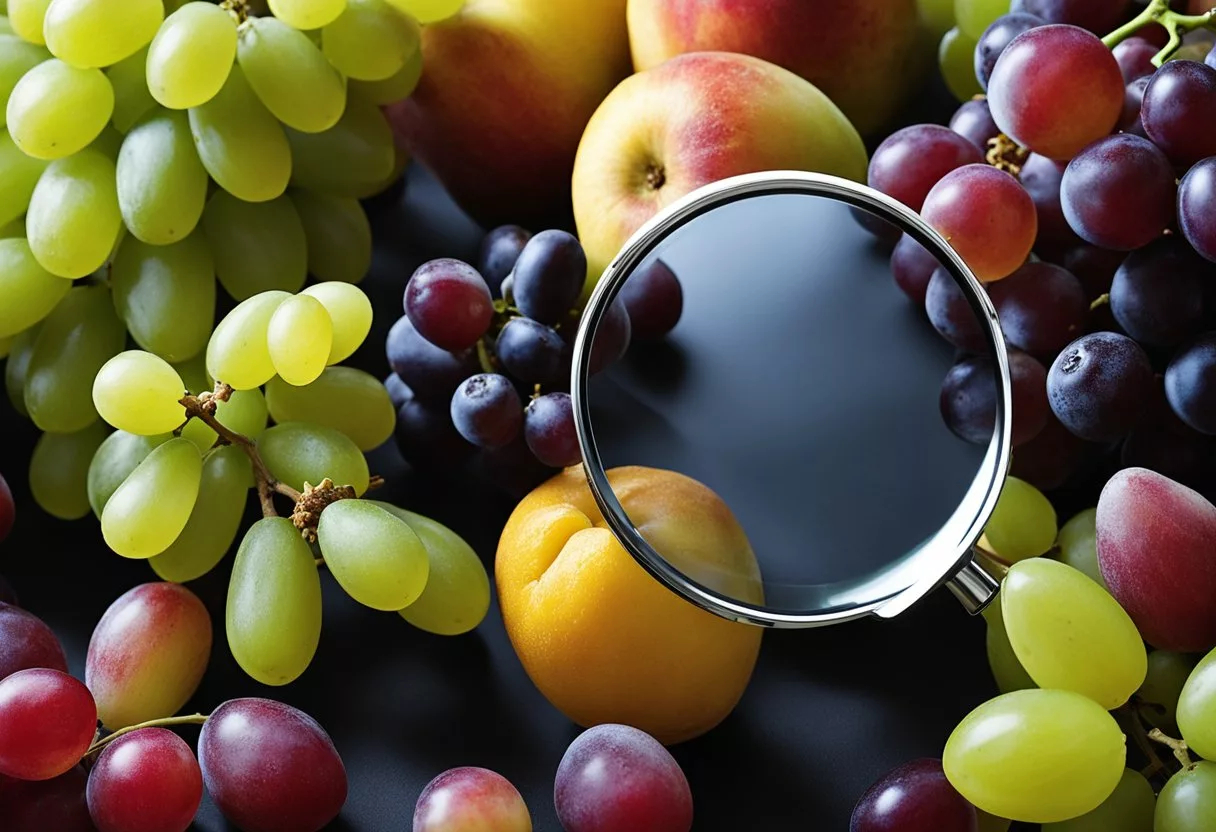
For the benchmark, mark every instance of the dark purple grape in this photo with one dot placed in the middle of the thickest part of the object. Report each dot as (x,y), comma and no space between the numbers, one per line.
(1048,460)
(913,266)
(532,352)
(1197,207)
(951,314)
(449,303)
(910,161)
(1133,102)
(26,641)
(549,430)
(996,37)
(549,276)
(1094,266)
(427,438)
(56,805)
(973,120)
(1190,384)
(1135,57)
(887,234)
(1119,192)
(611,338)
(514,469)
(1100,385)
(1041,178)
(915,797)
(1179,111)
(430,372)
(1157,294)
(398,392)
(508,289)
(486,410)
(1170,452)
(968,398)
(1210,60)
(1042,308)
(654,300)
(8,595)
(1098,16)
(499,250)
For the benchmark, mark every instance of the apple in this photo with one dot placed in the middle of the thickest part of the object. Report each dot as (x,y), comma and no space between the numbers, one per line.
(506,90)
(865,54)
(693,120)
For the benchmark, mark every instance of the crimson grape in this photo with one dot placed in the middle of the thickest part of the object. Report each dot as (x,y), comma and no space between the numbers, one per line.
(910,161)
(471,799)
(145,781)
(913,266)
(1099,16)
(612,337)
(654,300)
(915,797)
(1135,58)
(1100,385)
(1042,308)
(973,120)
(549,276)
(427,438)
(47,722)
(486,410)
(986,216)
(996,37)
(1048,460)
(1197,208)
(1190,384)
(1041,178)
(270,767)
(8,595)
(449,303)
(1179,111)
(499,250)
(1157,294)
(56,805)
(1055,89)
(8,510)
(532,352)
(968,398)
(1119,192)
(25,642)
(951,314)
(549,430)
(430,372)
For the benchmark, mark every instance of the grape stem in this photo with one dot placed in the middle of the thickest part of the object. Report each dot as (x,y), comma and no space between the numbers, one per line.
(1135,728)
(1100,301)
(1159,11)
(239,9)
(1179,747)
(192,719)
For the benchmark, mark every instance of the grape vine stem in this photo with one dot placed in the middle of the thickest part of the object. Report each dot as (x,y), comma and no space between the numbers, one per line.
(1135,728)
(192,719)
(1176,24)
(1179,747)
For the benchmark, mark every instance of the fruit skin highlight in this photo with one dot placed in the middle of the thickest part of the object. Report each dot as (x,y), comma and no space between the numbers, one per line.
(603,640)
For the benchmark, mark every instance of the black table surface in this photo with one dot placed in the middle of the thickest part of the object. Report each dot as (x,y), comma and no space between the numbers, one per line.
(828,711)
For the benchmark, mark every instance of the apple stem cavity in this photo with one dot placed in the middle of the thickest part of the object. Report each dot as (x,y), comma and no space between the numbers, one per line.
(1159,11)
(656,177)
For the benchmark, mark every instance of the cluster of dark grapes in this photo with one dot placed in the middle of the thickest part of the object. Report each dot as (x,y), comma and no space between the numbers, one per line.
(482,356)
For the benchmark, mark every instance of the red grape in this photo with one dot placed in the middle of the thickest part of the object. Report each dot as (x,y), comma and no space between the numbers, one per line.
(1048,460)
(915,797)
(968,398)
(1179,110)
(1042,308)
(910,161)
(25,642)
(1100,385)
(532,352)
(56,805)
(996,37)
(145,781)
(486,410)
(654,300)
(1055,89)
(615,777)
(549,276)
(499,250)
(1119,192)
(951,314)
(1133,103)
(973,121)
(549,430)
(986,216)
(8,510)
(1197,207)
(913,266)
(270,767)
(47,722)
(449,303)
(1157,294)
(1190,384)
(430,372)
(1041,177)
(612,337)
(471,799)
(1135,58)
(1098,16)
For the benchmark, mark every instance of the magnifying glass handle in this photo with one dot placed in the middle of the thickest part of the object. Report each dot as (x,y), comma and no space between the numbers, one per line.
(973,586)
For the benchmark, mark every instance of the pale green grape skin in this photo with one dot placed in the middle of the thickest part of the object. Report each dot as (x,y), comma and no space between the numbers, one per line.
(114,461)
(20,350)
(274,603)
(1188,801)
(1162,688)
(6,27)
(429,11)
(1039,756)
(240,143)
(343,398)
(257,246)
(108,143)
(244,413)
(955,58)
(298,453)
(166,295)
(307,14)
(351,313)
(290,75)
(237,353)
(162,185)
(16,58)
(97,33)
(30,292)
(73,219)
(1197,708)
(59,470)
(1128,809)
(74,341)
(991,823)
(151,507)
(338,234)
(138,392)
(56,110)
(937,15)
(26,17)
(300,337)
(371,40)
(1070,634)
(131,97)
(1023,524)
(974,16)
(376,557)
(191,56)
(19,175)
(391,90)
(457,594)
(194,373)
(356,154)
(1007,671)
(215,520)
(1078,545)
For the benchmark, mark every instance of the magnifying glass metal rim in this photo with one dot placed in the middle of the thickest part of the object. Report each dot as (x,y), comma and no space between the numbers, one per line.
(954,565)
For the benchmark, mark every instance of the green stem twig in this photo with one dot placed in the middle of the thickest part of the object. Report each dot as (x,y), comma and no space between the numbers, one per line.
(192,719)
(1176,24)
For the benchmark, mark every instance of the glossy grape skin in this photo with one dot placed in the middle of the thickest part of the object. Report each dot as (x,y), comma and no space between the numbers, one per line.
(343,398)
(1055,89)
(114,461)
(354,158)
(951,314)
(33,290)
(987,217)
(1041,178)
(968,398)
(351,313)
(1179,111)
(1099,386)
(1188,801)
(433,374)
(374,555)
(1095,267)
(1133,102)
(166,295)
(257,246)
(56,110)
(1190,384)
(532,352)
(94,33)
(42,805)
(1007,671)
(1098,16)
(611,339)
(549,275)
(1119,192)
(59,470)
(290,75)
(145,781)
(426,436)
(16,58)
(152,506)
(17,366)
(449,304)
(913,266)
(138,392)
(270,767)
(300,336)
(397,391)
(371,40)
(1128,809)
(1078,545)
(237,353)
(914,797)
(500,248)
(162,185)
(654,300)
(911,161)
(1023,524)
(1157,294)
(47,722)
(21,174)
(956,62)
(132,100)
(998,36)
(339,235)
(1135,57)
(1197,207)
(307,14)
(549,430)
(973,121)
(486,410)
(299,452)
(74,218)
(190,57)
(1161,693)
(1042,308)
(27,643)
(470,799)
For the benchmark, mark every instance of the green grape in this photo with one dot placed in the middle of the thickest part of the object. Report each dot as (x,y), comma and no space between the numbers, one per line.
(1039,756)
(1162,688)
(30,292)
(56,109)
(351,313)
(343,398)
(274,603)
(162,185)
(956,59)
(26,16)
(237,353)
(298,453)
(429,11)
(194,373)
(257,246)
(1197,708)
(1070,634)
(191,56)
(457,594)
(75,340)
(59,471)
(371,40)
(307,14)
(151,507)
(166,295)
(1023,524)
(16,58)
(1078,544)
(6,343)
(131,96)
(936,15)
(214,522)
(356,153)
(290,75)
(73,220)
(13,229)
(1128,809)
(240,143)
(21,348)
(244,413)
(391,90)
(95,33)
(1006,669)
(338,234)
(18,176)
(974,16)
(138,392)
(108,143)
(991,823)
(374,555)
(114,461)
(1188,801)
(6,28)
(300,337)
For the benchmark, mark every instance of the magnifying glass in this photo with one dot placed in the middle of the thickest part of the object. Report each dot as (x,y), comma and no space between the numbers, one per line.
(806,390)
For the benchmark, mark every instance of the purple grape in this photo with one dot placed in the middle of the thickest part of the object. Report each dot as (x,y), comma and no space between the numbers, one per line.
(915,797)
(486,410)
(968,398)
(56,805)
(884,232)
(973,121)
(1135,57)
(549,430)
(26,641)
(430,372)
(1099,386)
(1094,266)
(398,392)
(1042,308)
(8,595)
(996,37)
(1210,60)
(1179,455)
(514,469)
(913,266)
(499,250)
(1190,384)
(1133,102)
(951,314)
(1098,16)
(1157,294)
(1041,178)
(1179,111)
(427,438)
(654,300)
(449,304)
(1197,207)
(910,161)
(549,276)
(532,352)
(612,337)
(1119,192)
(1048,460)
